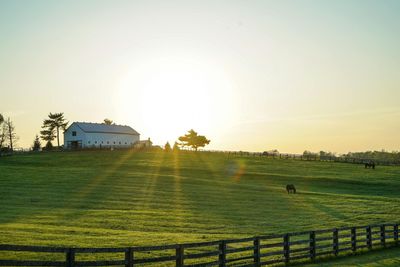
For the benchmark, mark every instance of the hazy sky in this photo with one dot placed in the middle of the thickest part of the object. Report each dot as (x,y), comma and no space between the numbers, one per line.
(250,75)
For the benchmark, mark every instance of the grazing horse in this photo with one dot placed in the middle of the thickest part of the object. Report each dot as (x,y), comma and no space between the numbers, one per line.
(290,189)
(370,165)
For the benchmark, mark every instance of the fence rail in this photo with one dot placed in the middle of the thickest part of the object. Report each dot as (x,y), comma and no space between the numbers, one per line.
(254,251)
(311,157)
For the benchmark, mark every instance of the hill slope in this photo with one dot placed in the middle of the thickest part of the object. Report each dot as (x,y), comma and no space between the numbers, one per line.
(121,198)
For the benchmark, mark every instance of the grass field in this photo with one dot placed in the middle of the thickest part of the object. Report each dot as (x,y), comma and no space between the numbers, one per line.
(121,198)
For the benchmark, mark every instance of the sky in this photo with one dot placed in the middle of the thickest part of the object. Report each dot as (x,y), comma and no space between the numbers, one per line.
(250,75)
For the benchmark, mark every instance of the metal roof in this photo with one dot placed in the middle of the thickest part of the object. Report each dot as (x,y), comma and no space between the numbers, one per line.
(89,127)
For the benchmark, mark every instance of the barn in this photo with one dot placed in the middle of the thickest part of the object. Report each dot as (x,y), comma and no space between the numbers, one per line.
(99,135)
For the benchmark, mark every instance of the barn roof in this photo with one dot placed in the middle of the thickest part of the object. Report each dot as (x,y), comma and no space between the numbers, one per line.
(89,127)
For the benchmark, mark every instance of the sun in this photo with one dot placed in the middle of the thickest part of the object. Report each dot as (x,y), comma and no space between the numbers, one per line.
(169,95)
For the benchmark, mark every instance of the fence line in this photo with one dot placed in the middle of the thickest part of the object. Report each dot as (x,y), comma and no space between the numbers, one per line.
(307,157)
(252,251)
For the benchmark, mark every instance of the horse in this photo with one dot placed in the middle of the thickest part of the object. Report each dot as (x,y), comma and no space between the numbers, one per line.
(369,165)
(290,189)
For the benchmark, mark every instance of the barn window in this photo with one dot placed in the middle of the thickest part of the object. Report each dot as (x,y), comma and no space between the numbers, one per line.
(108,142)
(125,143)
(101,141)
(114,142)
(119,142)
(73,133)
(95,142)
(88,142)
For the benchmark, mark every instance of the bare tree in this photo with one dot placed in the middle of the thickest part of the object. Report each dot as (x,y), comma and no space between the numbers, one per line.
(2,131)
(10,134)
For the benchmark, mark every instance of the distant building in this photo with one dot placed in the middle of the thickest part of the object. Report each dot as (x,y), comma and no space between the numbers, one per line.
(143,144)
(99,135)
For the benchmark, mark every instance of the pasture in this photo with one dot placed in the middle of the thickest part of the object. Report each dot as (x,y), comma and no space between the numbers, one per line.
(122,198)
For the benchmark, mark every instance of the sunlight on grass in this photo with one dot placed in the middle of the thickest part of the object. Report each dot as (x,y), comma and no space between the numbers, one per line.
(115,198)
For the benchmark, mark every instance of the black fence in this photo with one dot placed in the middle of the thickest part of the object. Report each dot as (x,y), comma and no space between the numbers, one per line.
(307,157)
(254,251)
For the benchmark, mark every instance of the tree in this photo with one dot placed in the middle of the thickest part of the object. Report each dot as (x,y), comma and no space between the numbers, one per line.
(52,127)
(167,147)
(10,134)
(108,122)
(49,145)
(192,139)
(2,135)
(48,136)
(36,144)
(175,148)
(2,131)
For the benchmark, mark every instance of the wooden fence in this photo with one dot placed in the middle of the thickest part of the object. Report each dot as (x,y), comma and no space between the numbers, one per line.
(307,157)
(254,251)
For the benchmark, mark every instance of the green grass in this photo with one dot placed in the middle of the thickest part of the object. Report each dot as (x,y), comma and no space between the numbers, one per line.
(389,257)
(120,198)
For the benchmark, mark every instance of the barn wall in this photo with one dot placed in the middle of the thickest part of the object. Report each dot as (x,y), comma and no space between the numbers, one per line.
(110,140)
(80,135)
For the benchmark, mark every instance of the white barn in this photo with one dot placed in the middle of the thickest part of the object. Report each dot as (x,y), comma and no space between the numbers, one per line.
(98,135)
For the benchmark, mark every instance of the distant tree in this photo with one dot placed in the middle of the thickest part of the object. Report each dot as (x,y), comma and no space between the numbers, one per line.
(175,148)
(193,140)
(10,134)
(49,146)
(48,136)
(52,126)
(36,144)
(2,132)
(325,154)
(108,122)
(2,135)
(167,147)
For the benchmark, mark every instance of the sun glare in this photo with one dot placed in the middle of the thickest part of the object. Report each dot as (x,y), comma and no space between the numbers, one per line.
(169,95)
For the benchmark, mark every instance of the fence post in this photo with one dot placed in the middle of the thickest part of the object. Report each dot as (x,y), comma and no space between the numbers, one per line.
(222,253)
(129,257)
(353,239)
(369,237)
(312,245)
(70,257)
(383,237)
(179,256)
(256,244)
(286,248)
(396,233)
(335,241)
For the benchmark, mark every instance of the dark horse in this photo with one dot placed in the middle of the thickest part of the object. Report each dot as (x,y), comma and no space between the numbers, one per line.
(290,189)
(370,165)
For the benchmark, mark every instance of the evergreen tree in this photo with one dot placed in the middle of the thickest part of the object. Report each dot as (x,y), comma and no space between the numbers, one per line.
(49,145)
(52,127)
(48,136)
(175,148)
(167,147)
(36,144)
